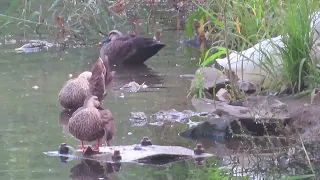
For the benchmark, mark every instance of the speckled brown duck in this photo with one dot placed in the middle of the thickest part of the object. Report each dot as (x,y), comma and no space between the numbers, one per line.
(75,91)
(129,49)
(89,124)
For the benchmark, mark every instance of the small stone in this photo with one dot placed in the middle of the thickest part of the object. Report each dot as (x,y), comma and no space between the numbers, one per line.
(223,95)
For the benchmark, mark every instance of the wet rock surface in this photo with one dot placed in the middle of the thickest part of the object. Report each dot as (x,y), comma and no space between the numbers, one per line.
(131,153)
(257,116)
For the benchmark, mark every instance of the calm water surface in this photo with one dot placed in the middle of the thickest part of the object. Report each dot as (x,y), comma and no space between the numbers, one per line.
(30,117)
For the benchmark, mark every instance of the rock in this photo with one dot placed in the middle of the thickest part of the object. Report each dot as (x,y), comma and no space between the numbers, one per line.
(278,107)
(211,77)
(254,108)
(305,120)
(145,154)
(173,115)
(246,87)
(138,118)
(214,126)
(223,95)
(258,116)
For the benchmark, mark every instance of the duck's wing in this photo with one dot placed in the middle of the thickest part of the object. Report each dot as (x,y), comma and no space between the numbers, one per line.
(119,50)
(67,82)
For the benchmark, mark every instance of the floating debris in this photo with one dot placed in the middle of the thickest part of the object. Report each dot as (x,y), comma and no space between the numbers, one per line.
(34,46)
(173,115)
(138,118)
(35,87)
(133,87)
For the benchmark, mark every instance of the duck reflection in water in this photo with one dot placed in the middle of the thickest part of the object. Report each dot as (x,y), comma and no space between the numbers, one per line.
(138,73)
(93,170)
(66,114)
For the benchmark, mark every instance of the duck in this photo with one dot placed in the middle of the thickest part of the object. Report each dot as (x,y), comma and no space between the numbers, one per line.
(128,49)
(88,123)
(75,91)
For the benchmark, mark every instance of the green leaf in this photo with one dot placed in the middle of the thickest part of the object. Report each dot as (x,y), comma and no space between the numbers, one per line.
(214,56)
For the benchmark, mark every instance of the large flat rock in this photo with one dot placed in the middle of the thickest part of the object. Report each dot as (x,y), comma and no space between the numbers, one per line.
(135,153)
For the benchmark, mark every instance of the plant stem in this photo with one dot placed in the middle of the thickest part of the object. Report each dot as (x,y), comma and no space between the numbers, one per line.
(227,50)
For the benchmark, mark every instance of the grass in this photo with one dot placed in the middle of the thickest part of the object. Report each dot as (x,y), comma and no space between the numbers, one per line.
(251,21)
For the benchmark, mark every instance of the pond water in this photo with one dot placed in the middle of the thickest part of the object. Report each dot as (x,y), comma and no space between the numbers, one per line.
(30,111)
(30,116)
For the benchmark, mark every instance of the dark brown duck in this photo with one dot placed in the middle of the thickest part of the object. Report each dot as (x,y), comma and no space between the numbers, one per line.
(129,49)
(89,124)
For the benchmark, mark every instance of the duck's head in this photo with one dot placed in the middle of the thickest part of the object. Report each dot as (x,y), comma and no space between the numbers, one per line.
(114,34)
(86,74)
(92,101)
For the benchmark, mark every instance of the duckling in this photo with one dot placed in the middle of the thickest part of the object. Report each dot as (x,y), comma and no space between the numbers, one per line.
(110,127)
(129,49)
(89,124)
(75,91)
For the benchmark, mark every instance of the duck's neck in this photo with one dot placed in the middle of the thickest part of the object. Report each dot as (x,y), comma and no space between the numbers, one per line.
(89,103)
